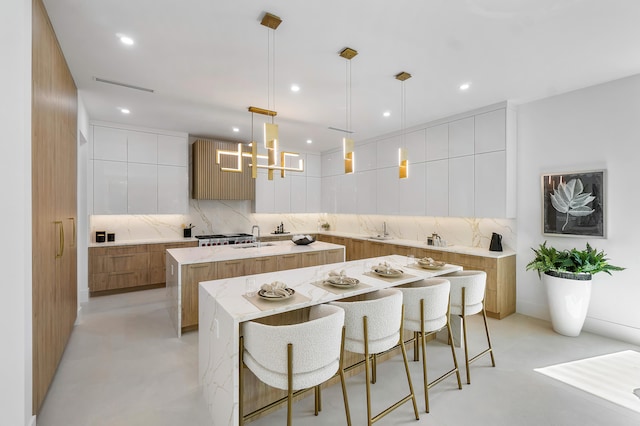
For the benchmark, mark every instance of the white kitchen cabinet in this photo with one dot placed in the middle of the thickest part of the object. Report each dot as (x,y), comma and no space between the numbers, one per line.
(282,193)
(109,144)
(142,188)
(412,191)
(346,191)
(490,184)
(314,193)
(329,194)
(265,194)
(490,131)
(173,150)
(387,152)
(415,142)
(172,197)
(365,157)
(461,186)
(109,187)
(437,188)
(332,163)
(366,194)
(313,165)
(461,135)
(437,142)
(133,183)
(387,192)
(298,200)
(142,147)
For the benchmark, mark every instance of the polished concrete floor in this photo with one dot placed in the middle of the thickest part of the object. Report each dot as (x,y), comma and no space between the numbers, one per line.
(124,366)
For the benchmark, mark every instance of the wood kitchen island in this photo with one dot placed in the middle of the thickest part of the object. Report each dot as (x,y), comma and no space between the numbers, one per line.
(186,267)
(223,309)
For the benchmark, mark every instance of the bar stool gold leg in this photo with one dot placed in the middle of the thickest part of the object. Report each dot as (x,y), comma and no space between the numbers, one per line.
(366,369)
(416,348)
(486,328)
(342,380)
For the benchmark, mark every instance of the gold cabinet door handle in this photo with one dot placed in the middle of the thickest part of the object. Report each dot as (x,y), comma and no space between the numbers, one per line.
(74,240)
(60,250)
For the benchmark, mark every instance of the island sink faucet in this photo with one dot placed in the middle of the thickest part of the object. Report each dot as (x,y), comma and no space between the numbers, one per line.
(384,229)
(252,234)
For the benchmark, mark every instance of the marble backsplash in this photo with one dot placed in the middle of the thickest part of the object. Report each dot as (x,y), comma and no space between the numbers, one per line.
(211,217)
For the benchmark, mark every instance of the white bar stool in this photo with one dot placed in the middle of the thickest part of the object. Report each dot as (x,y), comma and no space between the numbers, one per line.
(426,311)
(295,357)
(374,324)
(467,298)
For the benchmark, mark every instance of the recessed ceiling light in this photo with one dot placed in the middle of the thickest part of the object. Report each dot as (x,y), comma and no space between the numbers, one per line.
(295,88)
(465,86)
(124,110)
(309,141)
(235,129)
(125,39)
(386,113)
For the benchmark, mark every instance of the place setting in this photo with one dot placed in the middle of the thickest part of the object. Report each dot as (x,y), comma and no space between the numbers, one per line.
(425,263)
(270,294)
(387,272)
(339,282)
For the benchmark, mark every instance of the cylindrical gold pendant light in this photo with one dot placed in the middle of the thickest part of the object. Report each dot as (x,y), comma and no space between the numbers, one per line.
(403,161)
(347,143)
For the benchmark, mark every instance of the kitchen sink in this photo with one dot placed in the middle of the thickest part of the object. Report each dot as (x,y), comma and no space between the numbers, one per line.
(252,245)
(380,237)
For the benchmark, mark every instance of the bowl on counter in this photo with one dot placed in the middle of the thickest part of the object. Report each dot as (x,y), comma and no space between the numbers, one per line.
(302,240)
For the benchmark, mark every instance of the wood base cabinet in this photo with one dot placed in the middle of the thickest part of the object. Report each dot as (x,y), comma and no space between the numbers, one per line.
(122,268)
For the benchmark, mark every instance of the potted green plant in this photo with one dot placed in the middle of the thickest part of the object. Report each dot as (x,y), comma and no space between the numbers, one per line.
(567,276)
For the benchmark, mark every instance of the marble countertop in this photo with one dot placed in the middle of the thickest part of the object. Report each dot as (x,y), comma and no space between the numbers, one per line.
(190,255)
(229,292)
(143,241)
(473,251)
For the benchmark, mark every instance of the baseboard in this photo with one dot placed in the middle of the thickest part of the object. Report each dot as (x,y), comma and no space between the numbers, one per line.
(534,310)
(33,421)
(612,330)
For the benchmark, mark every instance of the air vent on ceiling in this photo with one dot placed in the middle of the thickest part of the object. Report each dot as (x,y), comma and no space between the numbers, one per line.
(117,83)
(340,130)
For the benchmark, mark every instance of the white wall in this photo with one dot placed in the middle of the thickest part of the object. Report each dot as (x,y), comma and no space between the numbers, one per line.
(15,192)
(593,128)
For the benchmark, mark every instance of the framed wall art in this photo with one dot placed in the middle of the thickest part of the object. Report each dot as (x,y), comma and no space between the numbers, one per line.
(574,204)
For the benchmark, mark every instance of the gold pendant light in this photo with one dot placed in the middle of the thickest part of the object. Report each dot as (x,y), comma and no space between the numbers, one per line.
(347,143)
(403,161)
(270,129)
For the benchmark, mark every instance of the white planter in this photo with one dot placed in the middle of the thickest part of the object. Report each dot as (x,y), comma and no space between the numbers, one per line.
(568,303)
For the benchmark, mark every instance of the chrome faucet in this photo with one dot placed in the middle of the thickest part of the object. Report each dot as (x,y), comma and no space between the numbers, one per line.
(258,238)
(384,229)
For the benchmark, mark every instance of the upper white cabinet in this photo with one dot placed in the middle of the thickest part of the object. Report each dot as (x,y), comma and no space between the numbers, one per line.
(461,136)
(412,191)
(366,193)
(461,186)
(437,188)
(265,194)
(365,157)
(142,147)
(298,201)
(109,187)
(387,191)
(490,184)
(415,143)
(314,194)
(332,163)
(388,152)
(313,165)
(139,171)
(172,151)
(109,144)
(437,142)
(490,131)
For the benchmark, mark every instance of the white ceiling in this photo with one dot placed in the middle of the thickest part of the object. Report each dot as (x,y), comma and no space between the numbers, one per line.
(207,59)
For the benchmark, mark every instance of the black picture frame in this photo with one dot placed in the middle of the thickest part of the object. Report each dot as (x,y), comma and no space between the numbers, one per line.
(574,209)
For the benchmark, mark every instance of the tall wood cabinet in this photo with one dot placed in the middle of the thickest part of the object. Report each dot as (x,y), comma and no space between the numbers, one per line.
(54,165)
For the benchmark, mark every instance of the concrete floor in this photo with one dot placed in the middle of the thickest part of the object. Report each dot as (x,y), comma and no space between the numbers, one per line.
(124,366)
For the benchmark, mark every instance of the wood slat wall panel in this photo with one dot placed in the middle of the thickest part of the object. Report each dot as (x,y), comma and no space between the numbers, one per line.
(54,154)
(211,183)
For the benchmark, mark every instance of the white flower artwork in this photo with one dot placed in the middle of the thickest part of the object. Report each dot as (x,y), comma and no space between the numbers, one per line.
(573,204)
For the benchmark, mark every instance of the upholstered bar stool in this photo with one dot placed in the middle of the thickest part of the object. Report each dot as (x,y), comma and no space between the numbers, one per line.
(467,298)
(426,311)
(374,324)
(297,356)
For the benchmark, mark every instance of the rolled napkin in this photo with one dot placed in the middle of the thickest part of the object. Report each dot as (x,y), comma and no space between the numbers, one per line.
(337,274)
(277,288)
